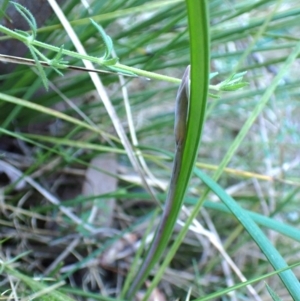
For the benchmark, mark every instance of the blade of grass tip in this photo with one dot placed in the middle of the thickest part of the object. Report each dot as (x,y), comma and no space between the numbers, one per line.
(198,19)
(103,95)
(272,293)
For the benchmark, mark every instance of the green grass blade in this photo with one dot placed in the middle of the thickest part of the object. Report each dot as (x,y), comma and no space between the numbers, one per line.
(272,293)
(288,278)
(262,220)
(42,291)
(51,112)
(243,284)
(199,49)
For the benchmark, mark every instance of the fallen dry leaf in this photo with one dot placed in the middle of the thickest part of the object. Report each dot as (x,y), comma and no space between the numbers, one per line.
(98,183)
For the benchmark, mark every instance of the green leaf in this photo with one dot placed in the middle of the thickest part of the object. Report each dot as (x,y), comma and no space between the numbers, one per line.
(39,67)
(233,87)
(106,39)
(112,61)
(26,14)
(22,32)
(239,75)
(233,83)
(57,61)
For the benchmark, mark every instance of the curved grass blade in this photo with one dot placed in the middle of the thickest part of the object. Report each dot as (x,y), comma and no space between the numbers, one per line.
(288,278)
(235,287)
(27,15)
(199,48)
